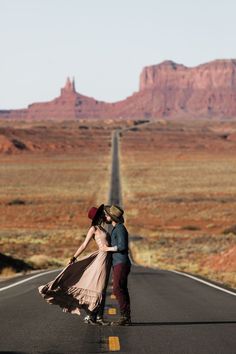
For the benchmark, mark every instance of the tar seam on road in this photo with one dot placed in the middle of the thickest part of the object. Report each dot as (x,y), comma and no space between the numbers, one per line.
(204,282)
(25,280)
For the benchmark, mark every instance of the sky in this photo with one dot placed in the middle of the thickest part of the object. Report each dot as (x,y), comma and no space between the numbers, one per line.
(104,44)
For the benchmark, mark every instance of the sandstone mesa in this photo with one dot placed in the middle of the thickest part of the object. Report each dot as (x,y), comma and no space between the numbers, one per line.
(166,90)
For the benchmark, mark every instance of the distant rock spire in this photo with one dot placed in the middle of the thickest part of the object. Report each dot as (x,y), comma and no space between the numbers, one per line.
(73,83)
(69,86)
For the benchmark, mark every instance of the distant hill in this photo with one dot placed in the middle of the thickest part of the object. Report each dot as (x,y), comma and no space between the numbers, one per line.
(166,90)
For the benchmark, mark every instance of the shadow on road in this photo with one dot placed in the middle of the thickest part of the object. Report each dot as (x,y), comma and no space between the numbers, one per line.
(181,323)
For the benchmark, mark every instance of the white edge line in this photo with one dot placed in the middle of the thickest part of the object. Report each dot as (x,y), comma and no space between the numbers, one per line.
(25,280)
(204,282)
(194,278)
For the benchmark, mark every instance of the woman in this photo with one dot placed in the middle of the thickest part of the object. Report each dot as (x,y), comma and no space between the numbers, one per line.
(82,284)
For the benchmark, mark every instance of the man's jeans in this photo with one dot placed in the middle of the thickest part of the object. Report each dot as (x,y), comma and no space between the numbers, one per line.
(120,288)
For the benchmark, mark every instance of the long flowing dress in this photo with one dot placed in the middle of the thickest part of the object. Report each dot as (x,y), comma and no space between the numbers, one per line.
(82,284)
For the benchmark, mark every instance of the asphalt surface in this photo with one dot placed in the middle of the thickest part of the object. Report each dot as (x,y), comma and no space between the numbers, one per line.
(115,195)
(171,314)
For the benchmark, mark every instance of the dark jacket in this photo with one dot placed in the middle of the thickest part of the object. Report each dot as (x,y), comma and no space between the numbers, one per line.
(119,238)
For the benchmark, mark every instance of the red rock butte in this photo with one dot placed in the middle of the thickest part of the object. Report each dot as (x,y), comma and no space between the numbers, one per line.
(166,90)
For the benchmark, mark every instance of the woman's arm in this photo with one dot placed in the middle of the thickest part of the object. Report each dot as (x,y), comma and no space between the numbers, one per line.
(109,249)
(88,237)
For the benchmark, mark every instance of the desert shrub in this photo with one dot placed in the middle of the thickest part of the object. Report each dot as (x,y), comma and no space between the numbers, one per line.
(19,144)
(42,261)
(16,202)
(7,272)
(136,238)
(191,228)
(230,230)
(175,200)
(141,121)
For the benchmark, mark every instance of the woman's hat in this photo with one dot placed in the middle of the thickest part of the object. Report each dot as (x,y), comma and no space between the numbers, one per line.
(115,212)
(95,213)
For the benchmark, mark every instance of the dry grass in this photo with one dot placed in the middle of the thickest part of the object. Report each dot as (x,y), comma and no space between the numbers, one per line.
(54,190)
(45,194)
(41,261)
(179,192)
(56,244)
(57,193)
(184,253)
(178,184)
(7,272)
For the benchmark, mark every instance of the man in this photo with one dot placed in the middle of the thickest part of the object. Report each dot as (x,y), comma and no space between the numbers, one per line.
(120,261)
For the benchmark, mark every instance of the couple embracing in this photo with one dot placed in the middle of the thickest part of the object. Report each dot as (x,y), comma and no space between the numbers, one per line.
(83,283)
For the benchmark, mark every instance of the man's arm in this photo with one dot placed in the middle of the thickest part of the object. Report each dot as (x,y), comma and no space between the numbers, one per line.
(122,240)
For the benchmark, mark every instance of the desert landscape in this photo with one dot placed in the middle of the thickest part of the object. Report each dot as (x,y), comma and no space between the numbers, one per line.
(51,174)
(127,104)
(179,191)
(178,187)
(178,167)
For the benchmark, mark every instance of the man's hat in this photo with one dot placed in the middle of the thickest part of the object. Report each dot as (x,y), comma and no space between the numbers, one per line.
(115,212)
(95,213)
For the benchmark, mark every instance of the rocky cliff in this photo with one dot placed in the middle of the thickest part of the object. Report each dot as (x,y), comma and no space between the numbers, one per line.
(166,90)
(219,74)
(206,90)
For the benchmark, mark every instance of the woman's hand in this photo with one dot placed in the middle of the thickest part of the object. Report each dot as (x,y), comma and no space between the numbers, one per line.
(72,260)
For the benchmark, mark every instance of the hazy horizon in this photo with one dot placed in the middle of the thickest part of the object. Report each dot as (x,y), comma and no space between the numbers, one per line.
(104,45)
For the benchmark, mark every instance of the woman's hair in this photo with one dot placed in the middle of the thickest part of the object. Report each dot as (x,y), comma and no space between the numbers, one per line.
(98,221)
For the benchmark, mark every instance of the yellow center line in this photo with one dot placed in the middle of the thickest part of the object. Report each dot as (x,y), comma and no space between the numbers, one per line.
(111,311)
(114,344)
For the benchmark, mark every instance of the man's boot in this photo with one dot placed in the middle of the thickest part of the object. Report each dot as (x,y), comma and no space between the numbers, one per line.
(102,322)
(124,320)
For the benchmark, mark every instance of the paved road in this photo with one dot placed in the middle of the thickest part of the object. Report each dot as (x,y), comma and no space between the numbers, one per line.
(115,195)
(172,314)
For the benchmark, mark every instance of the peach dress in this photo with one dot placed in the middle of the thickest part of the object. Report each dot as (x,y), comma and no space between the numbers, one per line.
(81,284)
